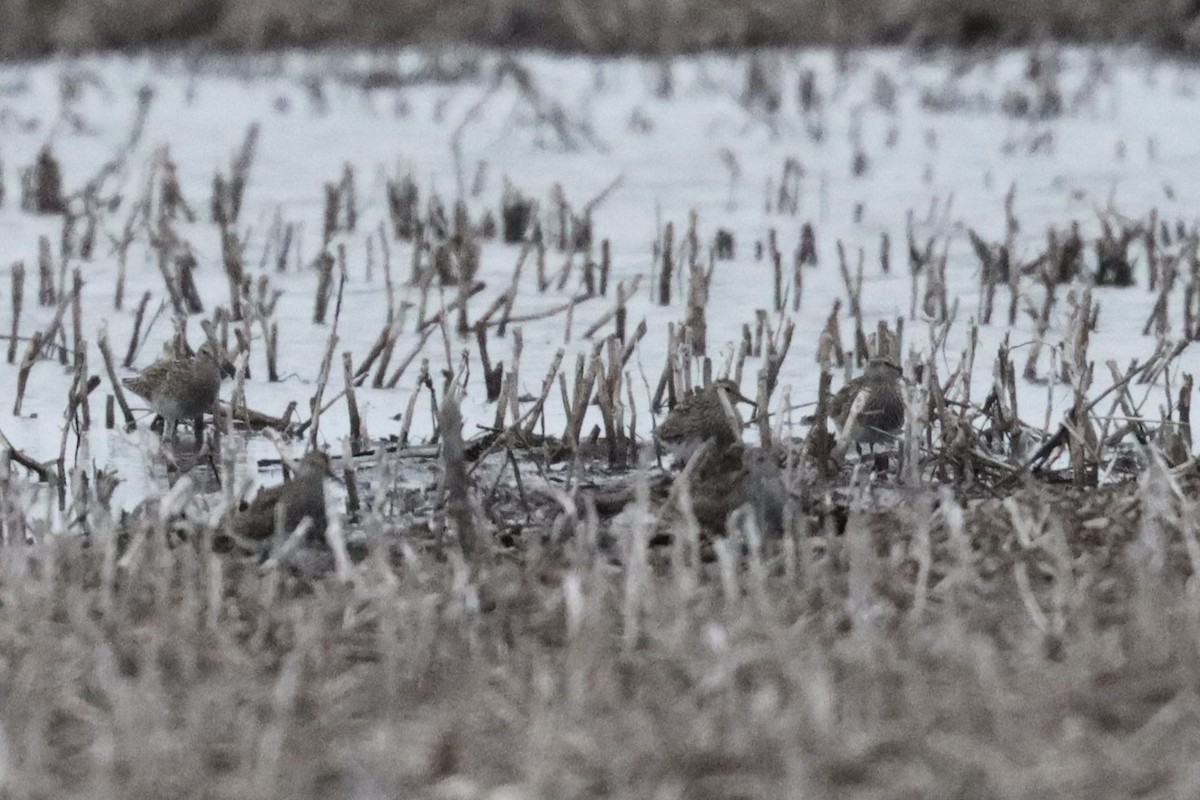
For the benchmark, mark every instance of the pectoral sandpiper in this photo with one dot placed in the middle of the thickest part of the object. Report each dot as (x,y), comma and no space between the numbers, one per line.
(882,414)
(181,387)
(303,497)
(708,413)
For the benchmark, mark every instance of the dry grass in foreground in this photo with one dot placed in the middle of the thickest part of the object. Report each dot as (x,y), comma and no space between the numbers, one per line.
(1043,645)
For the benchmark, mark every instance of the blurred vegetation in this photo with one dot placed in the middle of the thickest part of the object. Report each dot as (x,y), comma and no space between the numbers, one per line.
(35,27)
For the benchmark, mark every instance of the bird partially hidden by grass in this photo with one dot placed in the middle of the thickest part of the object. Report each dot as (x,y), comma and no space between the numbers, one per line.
(729,475)
(282,508)
(708,413)
(181,387)
(882,412)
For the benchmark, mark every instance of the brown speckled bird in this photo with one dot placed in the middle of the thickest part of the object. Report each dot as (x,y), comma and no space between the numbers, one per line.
(303,496)
(882,414)
(178,388)
(708,413)
(743,477)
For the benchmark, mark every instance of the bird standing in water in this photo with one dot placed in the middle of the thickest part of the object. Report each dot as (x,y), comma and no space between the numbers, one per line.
(182,387)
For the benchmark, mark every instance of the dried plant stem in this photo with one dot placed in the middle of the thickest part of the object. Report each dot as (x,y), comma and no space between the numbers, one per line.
(323,378)
(134,342)
(77,418)
(1125,402)
(395,379)
(624,294)
(667,266)
(185,265)
(350,480)
(31,355)
(46,294)
(1185,410)
(411,406)
(459,302)
(575,403)
(169,281)
(386,337)
(499,304)
(36,345)
(77,313)
(493,375)
(608,395)
(356,440)
(531,417)
(18,301)
(43,472)
(272,351)
(325,265)
(114,382)
(455,481)
(386,358)
(1159,319)
(547,314)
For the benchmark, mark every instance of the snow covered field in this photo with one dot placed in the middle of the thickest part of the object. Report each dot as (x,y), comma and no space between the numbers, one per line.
(887,137)
(983,637)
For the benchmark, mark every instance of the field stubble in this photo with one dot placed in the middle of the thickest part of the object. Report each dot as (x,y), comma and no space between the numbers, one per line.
(1006,610)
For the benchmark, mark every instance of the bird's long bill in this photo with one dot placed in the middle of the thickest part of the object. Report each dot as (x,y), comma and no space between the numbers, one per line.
(739,397)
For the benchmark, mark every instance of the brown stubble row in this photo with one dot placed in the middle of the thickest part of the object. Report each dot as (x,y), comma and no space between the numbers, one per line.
(607,26)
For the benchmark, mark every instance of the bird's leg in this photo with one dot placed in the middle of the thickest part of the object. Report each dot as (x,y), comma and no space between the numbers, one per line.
(168,445)
(880,459)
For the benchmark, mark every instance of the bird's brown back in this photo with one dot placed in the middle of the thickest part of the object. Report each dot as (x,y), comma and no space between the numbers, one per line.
(302,496)
(190,385)
(699,416)
(883,411)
